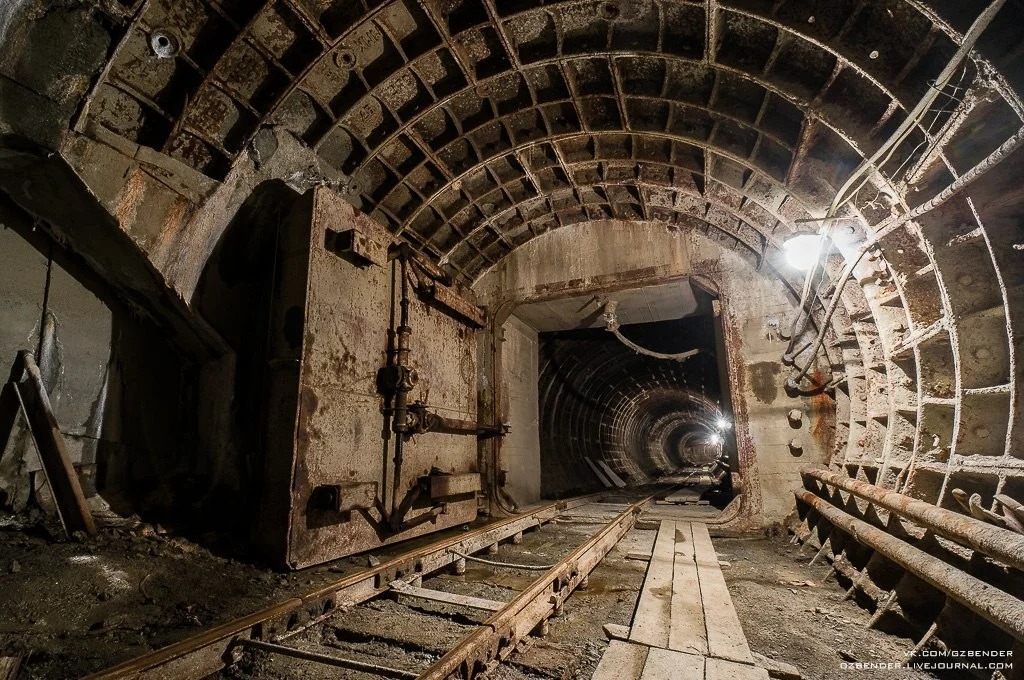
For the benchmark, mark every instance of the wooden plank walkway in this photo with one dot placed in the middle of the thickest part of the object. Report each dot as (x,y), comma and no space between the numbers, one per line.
(685,625)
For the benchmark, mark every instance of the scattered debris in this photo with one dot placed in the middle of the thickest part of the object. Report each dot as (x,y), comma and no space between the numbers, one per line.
(616,631)
(780,670)
(640,556)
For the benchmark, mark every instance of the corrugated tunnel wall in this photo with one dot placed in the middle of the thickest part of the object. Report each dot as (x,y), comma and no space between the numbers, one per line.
(643,417)
(622,141)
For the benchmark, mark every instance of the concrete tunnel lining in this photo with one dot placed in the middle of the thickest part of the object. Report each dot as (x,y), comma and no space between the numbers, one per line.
(537,152)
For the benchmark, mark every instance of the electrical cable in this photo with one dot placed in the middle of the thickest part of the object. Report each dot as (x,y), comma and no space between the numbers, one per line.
(612,324)
(506,565)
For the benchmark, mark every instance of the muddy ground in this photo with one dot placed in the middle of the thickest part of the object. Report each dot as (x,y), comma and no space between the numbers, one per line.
(75,607)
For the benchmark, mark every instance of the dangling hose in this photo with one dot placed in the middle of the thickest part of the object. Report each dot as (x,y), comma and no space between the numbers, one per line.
(612,324)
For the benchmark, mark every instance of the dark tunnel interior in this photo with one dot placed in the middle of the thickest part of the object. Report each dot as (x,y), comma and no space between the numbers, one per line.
(602,402)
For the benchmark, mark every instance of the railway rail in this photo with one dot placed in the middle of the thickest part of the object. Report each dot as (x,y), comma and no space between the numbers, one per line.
(275,630)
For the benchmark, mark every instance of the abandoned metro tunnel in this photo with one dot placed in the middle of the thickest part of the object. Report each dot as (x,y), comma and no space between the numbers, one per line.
(511,339)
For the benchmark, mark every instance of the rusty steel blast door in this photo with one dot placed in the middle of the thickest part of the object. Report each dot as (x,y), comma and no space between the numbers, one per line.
(342,395)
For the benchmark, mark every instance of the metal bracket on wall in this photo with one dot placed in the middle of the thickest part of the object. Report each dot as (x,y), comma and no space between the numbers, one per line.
(435,287)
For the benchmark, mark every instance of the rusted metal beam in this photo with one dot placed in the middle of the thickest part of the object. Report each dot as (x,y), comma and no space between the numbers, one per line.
(997,606)
(942,138)
(710,31)
(993,159)
(533,606)
(1001,544)
(209,651)
(448,300)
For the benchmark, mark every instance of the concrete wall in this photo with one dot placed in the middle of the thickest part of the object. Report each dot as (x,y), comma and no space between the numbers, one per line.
(603,256)
(76,340)
(753,307)
(520,450)
(582,256)
(120,392)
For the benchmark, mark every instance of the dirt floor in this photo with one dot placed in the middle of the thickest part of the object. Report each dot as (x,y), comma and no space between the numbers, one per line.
(790,614)
(75,607)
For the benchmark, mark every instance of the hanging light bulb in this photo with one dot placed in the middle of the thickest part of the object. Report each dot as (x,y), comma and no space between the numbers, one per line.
(803,250)
(723,424)
(715,439)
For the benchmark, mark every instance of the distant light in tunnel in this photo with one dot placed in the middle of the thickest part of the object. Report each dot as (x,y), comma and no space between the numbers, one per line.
(802,250)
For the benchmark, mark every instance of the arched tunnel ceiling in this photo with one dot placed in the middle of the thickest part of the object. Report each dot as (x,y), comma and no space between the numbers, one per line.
(473,126)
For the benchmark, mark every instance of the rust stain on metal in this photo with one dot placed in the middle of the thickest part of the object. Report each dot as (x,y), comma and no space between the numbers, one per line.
(823,414)
(132,194)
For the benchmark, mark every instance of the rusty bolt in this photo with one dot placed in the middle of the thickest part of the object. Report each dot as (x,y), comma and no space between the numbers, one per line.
(345,59)
(795,416)
(796,447)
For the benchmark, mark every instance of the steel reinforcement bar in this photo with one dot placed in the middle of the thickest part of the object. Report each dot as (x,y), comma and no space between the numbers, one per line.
(999,607)
(1001,544)
(212,650)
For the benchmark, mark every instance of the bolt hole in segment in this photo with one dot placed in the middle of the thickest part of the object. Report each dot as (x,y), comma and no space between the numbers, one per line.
(164,44)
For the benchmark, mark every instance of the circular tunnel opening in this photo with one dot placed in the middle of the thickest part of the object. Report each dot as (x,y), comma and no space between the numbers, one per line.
(615,411)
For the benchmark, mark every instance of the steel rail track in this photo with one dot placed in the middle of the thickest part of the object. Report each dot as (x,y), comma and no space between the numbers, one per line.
(212,650)
(500,634)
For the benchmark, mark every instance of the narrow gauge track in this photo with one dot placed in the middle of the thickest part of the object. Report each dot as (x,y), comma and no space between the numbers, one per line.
(290,628)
